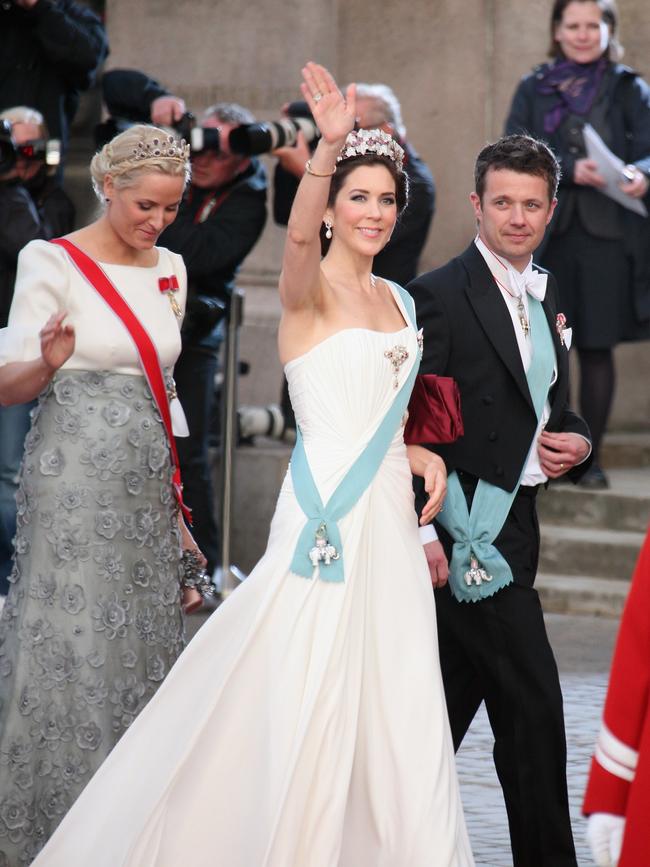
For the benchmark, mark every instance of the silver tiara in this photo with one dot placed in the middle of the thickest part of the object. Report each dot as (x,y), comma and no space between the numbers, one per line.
(167,147)
(372,141)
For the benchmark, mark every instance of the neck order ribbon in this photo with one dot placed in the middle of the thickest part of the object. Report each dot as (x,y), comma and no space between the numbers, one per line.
(477,570)
(319,544)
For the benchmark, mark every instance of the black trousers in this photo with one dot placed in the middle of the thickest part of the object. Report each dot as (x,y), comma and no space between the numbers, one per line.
(194,375)
(497,651)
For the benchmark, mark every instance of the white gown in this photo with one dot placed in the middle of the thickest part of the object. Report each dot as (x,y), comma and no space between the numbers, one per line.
(305,724)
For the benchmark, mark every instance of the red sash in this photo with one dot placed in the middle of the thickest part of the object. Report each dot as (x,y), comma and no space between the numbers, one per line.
(143,343)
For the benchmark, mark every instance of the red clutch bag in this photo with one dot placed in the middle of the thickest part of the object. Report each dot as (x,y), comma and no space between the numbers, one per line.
(434,411)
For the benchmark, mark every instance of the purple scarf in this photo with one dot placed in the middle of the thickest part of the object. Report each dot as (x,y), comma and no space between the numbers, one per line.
(576,86)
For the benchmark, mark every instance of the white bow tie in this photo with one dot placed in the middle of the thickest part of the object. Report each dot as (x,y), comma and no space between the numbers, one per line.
(533,282)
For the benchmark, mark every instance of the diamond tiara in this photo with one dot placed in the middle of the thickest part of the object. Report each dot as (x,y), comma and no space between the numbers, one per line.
(167,147)
(372,141)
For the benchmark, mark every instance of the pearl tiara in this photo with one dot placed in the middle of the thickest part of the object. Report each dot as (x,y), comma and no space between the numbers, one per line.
(372,141)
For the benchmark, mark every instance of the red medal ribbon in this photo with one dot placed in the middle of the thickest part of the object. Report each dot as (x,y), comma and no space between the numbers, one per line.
(168,284)
(143,343)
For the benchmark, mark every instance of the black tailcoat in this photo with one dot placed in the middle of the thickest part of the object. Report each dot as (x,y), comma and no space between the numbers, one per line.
(468,334)
(496,650)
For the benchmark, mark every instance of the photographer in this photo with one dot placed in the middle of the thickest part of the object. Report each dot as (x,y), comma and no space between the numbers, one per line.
(377,108)
(218,223)
(49,51)
(32,205)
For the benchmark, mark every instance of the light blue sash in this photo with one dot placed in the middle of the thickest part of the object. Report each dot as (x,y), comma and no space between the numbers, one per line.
(474,557)
(320,539)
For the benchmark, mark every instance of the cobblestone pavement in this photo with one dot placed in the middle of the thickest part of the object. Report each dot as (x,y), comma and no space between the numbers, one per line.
(583,647)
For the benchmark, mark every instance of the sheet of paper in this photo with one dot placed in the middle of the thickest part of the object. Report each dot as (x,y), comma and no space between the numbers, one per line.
(610,167)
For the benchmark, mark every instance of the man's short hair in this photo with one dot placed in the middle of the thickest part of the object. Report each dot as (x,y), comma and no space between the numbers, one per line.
(386,105)
(518,153)
(229,112)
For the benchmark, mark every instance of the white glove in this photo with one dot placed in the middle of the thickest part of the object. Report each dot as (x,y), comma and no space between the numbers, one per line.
(605,837)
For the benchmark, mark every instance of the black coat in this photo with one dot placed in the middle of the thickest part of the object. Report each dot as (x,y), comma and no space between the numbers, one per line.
(627,122)
(47,55)
(25,216)
(468,335)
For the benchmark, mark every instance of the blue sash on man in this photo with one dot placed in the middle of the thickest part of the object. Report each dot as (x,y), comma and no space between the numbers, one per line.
(319,544)
(477,569)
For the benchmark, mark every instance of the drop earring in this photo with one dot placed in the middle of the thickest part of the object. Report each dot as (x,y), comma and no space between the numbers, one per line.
(328,229)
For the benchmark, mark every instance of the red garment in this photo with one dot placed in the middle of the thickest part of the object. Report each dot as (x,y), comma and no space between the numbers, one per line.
(619,780)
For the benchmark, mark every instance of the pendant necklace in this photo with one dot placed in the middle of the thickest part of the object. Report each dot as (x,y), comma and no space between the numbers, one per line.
(521,310)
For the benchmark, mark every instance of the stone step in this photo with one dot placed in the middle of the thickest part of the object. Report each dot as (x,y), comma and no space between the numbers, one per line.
(624,506)
(578,594)
(571,550)
(626,449)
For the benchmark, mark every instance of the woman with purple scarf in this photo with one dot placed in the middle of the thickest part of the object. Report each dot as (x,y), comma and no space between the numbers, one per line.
(598,250)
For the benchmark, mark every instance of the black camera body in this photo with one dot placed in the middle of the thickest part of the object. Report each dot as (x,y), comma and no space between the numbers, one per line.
(7,148)
(248,139)
(48,152)
(199,138)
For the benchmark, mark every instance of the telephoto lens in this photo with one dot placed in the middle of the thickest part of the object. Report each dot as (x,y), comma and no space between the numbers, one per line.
(251,139)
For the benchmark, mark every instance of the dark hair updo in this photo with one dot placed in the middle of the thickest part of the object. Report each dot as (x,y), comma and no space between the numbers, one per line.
(348,165)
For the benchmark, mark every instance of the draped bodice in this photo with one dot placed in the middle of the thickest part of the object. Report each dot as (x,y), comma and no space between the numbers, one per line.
(341,390)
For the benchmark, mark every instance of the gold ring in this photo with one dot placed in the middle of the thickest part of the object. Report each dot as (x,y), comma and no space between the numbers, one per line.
(561,466)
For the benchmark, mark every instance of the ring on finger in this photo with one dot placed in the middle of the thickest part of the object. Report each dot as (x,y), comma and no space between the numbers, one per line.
(561,466)
(318,96)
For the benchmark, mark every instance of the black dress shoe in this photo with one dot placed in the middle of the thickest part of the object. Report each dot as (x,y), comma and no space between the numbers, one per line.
(595,479)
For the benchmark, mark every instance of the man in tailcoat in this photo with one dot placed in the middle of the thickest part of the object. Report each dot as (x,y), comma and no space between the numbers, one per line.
(483,325)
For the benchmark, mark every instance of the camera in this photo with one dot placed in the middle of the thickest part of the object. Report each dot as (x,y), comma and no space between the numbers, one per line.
(7,147)
(47,152)
(260,138)
(200,138)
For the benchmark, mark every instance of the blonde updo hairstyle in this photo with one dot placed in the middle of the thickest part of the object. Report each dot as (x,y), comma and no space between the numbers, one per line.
(141,148)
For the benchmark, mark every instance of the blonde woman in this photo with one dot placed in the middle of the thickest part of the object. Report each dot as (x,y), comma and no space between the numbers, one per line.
(92,623)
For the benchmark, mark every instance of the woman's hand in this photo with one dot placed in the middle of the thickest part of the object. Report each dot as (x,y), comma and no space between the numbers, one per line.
(334,114)
(585,173)
(435,484)
(57,341)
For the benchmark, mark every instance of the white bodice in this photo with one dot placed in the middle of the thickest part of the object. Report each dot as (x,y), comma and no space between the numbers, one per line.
(47,282)
(341,389)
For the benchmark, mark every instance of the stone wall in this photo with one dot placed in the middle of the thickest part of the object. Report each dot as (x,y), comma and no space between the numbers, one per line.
(454,66)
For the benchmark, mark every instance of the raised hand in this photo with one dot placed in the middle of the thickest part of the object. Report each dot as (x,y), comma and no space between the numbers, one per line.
(57,341)
(334,114)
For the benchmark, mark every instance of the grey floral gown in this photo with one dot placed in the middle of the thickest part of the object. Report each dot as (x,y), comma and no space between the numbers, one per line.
(92,623)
